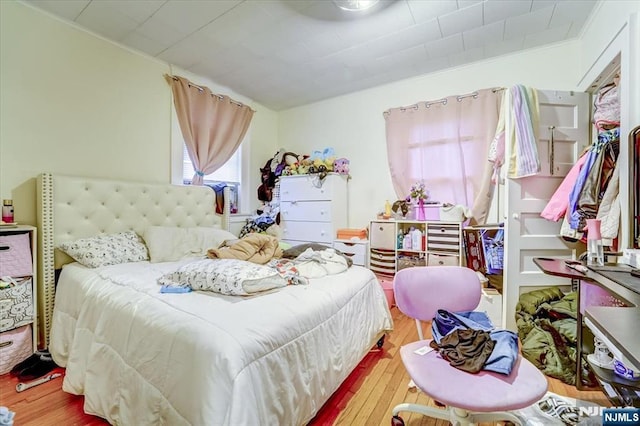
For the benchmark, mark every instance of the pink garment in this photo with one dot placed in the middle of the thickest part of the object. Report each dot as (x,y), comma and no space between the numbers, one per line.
(557,205)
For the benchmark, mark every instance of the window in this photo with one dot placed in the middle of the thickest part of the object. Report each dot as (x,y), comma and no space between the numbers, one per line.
(230,173)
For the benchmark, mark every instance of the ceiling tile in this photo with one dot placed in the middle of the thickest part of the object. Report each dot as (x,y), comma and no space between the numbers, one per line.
(445,47)
(497,10)
(577,11)
(191,50)
(139,11)
(68,9)
(370,27)
(461,20)
(144,44)
(488,34)
(504,47)
(325,44)
(238,24)
(160,32)
(471,55)
(466,3)
(432,65)
(414,55)
(551,35)
(541,4)
(429,10)
(530,23)
(189,16)
(105,19)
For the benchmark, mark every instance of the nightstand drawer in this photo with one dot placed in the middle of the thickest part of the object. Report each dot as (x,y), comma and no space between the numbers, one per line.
(357,251)
(351,248)
(16,305)
(382,235)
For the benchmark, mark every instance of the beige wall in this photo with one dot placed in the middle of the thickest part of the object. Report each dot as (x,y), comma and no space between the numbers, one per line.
(74,103)
(355,127)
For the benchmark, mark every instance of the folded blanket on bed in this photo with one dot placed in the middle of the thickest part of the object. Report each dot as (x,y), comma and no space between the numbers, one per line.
(225,276)
(254,247)
(313,263)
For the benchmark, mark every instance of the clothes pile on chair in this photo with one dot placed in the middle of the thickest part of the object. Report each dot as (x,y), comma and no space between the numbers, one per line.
(546,321)
(469,341)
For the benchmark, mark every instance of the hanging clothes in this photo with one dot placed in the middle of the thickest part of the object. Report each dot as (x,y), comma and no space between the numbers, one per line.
(557,205)
(609,211)
(524,159)
(519,107)
(593,179)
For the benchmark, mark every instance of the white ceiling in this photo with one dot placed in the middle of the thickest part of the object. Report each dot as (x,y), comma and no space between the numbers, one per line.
(289,53)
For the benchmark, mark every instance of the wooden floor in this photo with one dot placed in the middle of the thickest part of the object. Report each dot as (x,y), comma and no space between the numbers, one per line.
(366,397)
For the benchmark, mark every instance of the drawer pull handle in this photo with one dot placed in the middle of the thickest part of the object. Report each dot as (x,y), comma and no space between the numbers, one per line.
(6,344)
(5,248)
(349,244)
(349,254)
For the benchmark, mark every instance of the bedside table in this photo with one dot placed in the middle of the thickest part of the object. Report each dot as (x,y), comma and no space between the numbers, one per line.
(358,251)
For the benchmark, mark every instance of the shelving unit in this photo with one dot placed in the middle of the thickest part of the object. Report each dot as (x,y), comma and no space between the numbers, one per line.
(18,304)
(442,244)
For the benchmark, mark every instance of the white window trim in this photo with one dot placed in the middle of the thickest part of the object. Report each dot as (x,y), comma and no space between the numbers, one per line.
(177,152)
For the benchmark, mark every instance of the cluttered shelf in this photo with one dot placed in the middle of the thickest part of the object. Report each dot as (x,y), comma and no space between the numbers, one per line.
(609,307)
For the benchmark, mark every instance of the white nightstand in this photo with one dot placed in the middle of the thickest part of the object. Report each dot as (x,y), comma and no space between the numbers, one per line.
(358,250)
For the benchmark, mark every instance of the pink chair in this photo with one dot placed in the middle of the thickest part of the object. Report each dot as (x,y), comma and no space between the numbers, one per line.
(468,398)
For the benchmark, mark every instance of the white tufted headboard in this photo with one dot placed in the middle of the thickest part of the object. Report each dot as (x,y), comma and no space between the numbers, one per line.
(70,208)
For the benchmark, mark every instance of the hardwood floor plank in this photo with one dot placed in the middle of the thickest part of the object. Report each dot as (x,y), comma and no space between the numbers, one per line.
(366,398)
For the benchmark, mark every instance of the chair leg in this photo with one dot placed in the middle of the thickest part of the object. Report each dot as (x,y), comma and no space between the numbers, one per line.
(422,409)
(496,416)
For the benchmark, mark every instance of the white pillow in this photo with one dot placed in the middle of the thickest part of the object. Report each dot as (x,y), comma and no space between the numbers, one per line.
(168,244)
(106,250)
(232,277)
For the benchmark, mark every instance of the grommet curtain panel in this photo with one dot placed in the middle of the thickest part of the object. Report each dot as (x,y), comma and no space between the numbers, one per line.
(212,125)
(445,143)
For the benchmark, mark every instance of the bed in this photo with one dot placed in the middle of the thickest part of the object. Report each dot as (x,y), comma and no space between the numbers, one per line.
(143,357)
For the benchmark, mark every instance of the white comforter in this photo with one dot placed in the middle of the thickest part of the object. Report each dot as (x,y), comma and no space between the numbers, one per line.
(145,358)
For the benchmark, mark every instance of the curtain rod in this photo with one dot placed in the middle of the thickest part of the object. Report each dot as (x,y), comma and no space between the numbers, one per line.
(221,97)
(444,101)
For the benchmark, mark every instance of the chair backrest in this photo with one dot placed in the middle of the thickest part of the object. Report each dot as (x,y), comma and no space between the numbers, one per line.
(421,291)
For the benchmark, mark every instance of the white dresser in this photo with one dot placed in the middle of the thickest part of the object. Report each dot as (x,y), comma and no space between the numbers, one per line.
(312,210)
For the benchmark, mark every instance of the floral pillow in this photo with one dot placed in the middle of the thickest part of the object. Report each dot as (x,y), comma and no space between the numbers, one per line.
(232,277)
(106,250)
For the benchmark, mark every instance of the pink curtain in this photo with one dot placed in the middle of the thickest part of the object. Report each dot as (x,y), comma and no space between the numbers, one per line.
(445,144)
(212,125)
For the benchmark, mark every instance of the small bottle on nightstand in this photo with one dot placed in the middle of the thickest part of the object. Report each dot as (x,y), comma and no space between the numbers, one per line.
(7,211)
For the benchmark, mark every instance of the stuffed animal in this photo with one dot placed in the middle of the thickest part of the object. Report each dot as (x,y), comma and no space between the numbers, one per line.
(341,165)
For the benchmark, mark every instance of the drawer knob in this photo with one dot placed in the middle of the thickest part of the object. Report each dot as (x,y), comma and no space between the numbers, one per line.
(381,228)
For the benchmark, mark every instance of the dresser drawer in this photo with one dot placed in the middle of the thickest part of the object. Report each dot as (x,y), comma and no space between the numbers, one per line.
(309,211)
(383,262)
(15,255)
(382,235)
(16,305)
(358,252)
(442,260)
(322,232)
(443,237)
(15,346)
(310,188)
